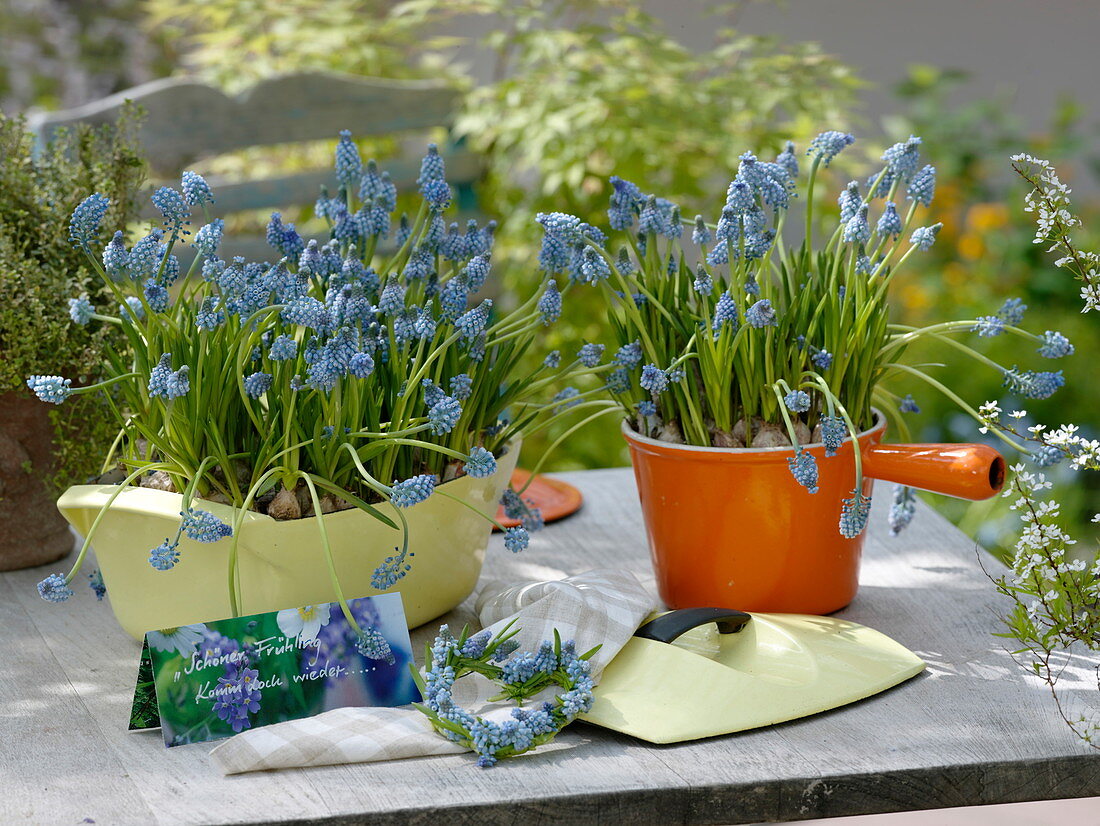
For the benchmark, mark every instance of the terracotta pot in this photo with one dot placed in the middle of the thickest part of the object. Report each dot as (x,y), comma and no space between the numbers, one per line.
(731,528)
(32,532)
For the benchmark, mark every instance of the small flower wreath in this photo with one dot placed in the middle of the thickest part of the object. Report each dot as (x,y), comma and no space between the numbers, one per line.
(519,678)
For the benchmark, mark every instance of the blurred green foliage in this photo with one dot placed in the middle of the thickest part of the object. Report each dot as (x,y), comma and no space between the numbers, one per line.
(60,53)
(985,254)
(40,269)
(580,91)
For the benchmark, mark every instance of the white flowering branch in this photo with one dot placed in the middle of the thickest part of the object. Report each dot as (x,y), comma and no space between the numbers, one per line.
(1055,595)
(1049,201)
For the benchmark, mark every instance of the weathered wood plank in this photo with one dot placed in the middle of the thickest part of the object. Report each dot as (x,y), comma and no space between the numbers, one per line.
(52,765)
(973,730)
(187,119)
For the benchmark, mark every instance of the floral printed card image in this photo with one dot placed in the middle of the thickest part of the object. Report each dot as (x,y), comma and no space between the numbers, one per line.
(215,679)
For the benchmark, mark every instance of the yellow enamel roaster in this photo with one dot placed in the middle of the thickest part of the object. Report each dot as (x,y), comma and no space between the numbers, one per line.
(700,672)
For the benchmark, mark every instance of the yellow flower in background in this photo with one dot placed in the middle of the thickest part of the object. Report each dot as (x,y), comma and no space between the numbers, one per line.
(915,297)
(985,217)
(971,246)
(955,275)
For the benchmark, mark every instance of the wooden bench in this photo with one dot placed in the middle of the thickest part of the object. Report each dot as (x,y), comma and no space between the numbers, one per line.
(187,121)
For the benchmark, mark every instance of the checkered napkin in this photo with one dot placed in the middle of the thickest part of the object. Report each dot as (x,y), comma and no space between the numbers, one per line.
(602,607)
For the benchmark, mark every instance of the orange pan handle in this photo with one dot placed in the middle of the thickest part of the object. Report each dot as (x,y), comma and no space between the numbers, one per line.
(968,471)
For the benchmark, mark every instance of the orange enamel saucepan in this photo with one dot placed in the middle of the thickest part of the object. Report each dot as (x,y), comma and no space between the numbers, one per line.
(730,527)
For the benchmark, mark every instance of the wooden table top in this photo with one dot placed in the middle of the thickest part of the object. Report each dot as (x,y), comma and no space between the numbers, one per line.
(973,729)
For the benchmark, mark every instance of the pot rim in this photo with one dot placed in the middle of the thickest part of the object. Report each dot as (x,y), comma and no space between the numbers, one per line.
(167,503)
(631,435)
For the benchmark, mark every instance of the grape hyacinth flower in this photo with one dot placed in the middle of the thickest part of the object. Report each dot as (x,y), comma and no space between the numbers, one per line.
(853,514)
(549,304)
(361,365)
(1012,311)
(481,463)
(209,317)
(1055,345)
(145,257)
(908,405)
(827,145)
(196,191)
(156,295)
(725,312)
(849,201)
(568,397)
(654,379)
(857,230)
(561,232)
(889,223)
(81,309)
(158,376)
(902,158)
(833,433)
(116,259)
(924,237)
(703,283)
(618,381)
(552,360)
(701,233)
(349,166)
(472,322)
(306,311)
(256,384)
(594,268)
(988,326)
(84,224)
(804,469)
(516,539)
(788,160)
(922,188)
(437,194)
(761,314)
(477,271)
(165,556)
(132,309)
(590,354)
(1033,385)
(412,491)
(283,348)
(902,509)
(52,389)
(461,386)
(203,526)
(625,198)
(444,415)
(54,588)
(433,394)
(172,208)
(431,167)
(392,299)
(209,237)
(797,401)
(392,569)
(1047,455)
(822,359)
